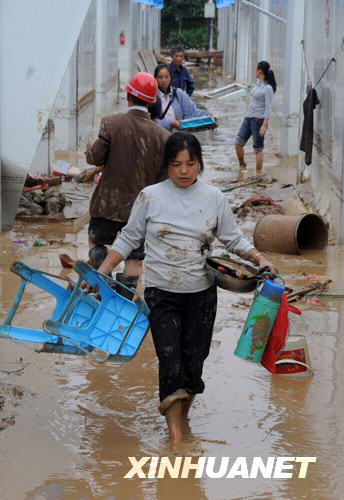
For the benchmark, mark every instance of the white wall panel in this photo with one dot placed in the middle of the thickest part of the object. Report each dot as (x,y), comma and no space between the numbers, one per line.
(37,40)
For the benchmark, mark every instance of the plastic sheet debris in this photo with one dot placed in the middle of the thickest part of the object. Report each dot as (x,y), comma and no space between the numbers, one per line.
(228,91)
(111,328)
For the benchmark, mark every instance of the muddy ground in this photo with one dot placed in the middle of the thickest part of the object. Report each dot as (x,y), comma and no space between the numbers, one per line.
(68,425)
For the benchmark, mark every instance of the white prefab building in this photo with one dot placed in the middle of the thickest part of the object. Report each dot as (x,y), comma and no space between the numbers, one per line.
(61,65)
(299,38)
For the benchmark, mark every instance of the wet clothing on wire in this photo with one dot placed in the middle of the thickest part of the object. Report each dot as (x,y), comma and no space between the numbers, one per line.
(306,143)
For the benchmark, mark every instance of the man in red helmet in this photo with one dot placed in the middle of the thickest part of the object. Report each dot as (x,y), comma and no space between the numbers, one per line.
(130,146)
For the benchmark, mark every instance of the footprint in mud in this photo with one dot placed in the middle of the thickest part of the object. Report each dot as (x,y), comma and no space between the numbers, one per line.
(10,398)
(11,394)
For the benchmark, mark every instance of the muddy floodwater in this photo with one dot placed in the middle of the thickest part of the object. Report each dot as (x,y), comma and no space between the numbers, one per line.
(69,425)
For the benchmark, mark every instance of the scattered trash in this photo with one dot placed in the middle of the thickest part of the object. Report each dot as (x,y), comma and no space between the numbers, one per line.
(315,277)
(42,202)
(255,179)
(34,180)
(314,301)
(294,359)
(38,244)
(260,204)
(61,169)
(24,242)
(35,188)
(316,288)
(66,261)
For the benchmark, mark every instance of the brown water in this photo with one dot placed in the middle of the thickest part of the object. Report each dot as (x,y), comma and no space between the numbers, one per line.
(68,425)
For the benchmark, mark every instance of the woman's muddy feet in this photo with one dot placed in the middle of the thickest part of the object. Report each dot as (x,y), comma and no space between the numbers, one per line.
(186,404)
(173,415)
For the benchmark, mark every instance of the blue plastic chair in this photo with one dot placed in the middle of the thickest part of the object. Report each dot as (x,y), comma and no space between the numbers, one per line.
(80,322)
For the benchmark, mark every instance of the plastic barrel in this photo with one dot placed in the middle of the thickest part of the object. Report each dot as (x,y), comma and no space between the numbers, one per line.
(290,234)
(257,328)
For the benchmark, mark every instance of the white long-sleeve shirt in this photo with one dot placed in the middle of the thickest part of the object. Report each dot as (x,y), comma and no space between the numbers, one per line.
(175,223)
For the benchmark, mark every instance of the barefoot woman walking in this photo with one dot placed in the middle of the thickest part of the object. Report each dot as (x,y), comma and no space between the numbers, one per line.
(176,218)
(259,110)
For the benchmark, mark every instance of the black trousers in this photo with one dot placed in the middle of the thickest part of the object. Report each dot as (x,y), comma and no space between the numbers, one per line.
(182,327)
(104,231)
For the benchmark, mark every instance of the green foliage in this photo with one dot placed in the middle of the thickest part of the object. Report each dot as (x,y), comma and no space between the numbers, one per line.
(189,38)
(183,23)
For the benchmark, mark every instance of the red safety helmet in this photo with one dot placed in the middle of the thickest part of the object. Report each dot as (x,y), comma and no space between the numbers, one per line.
(144,86)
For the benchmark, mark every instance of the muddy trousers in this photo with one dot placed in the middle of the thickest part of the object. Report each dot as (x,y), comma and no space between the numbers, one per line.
(182,327)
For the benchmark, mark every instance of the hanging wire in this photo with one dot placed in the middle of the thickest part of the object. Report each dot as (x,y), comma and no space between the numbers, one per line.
(333,59)
(305,59)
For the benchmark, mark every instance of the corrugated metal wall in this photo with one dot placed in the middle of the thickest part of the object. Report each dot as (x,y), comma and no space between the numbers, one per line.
(37,40)
(260,37)
(257,37)
(323,32)
(90,84)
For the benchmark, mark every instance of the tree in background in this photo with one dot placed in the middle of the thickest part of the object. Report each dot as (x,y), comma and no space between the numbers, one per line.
(183,23)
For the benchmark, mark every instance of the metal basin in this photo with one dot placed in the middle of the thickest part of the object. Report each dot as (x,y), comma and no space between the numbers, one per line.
(241,278)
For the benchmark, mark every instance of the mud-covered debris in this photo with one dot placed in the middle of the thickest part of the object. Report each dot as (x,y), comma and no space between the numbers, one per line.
(242,303)
(42,202)
(258,204)
(11,396)
(316,288)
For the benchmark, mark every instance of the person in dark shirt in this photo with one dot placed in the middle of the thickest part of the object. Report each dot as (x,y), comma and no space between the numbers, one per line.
(180,75)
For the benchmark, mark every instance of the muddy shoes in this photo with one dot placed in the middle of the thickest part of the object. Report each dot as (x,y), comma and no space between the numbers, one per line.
(97,256)
(129,282)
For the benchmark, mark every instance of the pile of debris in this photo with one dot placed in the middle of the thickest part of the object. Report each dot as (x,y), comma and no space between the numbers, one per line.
(258,204)
(48,201)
